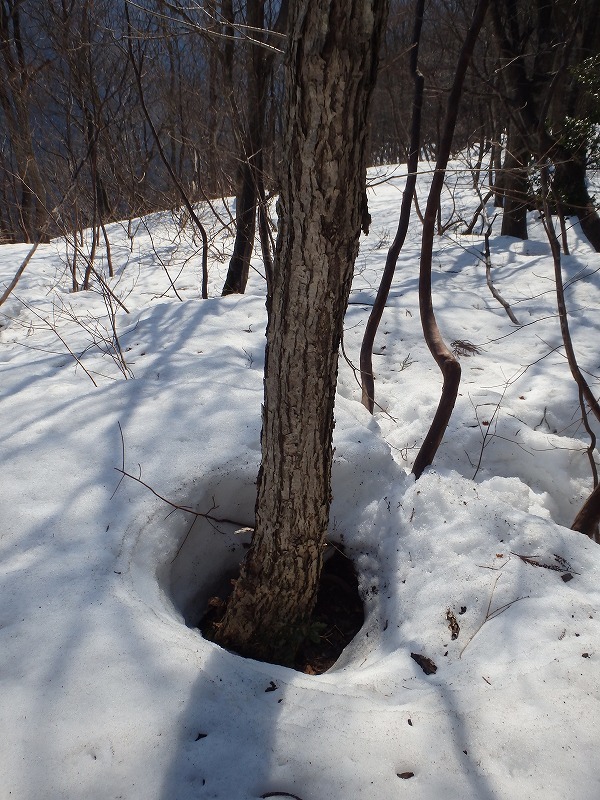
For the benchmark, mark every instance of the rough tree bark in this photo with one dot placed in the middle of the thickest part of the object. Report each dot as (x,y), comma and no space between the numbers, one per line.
(330,72)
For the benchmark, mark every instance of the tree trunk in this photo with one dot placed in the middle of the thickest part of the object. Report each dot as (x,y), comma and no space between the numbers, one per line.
(571,188)
(448,364)
(588,517)
(330,72)
(515,186)
(366,351)
(245,227)
(250,167)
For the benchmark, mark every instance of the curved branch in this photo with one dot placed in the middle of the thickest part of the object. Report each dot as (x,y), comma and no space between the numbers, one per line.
(561,302)
(445,360)
(19,272)
(366,350)
(488,277)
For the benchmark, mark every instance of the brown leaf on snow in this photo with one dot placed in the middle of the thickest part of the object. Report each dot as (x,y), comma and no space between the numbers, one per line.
(452,624)
(426,664)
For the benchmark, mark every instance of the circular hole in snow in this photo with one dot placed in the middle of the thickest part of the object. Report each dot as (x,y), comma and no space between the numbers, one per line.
(179,563)
(212,549)
(337,617)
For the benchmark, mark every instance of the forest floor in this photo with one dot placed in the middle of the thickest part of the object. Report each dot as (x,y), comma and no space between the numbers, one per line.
(476,673)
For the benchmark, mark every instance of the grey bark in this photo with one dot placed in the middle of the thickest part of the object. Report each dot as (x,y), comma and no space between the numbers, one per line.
(330,72)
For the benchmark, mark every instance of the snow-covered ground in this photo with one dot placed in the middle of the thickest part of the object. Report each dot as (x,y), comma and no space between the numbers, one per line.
(107,690)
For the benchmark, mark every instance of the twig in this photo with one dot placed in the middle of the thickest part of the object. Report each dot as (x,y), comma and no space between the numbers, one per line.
(492,614)
(488,277)
(177,506)
(122,461)
(481,207)
(54,329)
(562,564)
(19,272)
(486,434)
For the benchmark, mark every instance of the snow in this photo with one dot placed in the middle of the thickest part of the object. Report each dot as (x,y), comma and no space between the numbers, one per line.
(108,691)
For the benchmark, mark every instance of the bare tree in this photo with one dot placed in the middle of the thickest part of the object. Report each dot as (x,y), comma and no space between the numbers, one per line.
(169,166)
(330,72)
(541,44)
(250,127)
(17,71)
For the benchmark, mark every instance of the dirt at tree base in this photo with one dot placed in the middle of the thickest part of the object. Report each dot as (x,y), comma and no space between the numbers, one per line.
(337,618)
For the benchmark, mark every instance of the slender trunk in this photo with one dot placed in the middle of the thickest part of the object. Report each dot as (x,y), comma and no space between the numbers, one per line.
(366,350)
(245,226)
(250,169)
(445,360)
(251,172)
(496,174)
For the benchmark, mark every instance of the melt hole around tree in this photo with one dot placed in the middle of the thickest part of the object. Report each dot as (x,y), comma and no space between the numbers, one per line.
(337,618)
(195,557)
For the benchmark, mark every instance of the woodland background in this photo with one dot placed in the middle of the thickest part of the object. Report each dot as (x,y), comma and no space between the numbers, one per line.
(110,110)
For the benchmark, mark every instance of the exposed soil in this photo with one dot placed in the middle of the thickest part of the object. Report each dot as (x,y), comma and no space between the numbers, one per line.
(337,618)
(339,610)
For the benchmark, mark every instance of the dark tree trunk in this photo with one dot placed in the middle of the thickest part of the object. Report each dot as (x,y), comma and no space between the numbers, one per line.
(571,187)
(588,518)
(366,350)
(331,70)
(515,186)
(245,226)
(448,364)
(251,165)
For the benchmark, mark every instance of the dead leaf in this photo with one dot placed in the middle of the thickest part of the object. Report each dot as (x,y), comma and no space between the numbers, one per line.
(426,664)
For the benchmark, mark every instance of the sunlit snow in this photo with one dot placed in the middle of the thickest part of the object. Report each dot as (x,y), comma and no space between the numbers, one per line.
(108,691)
